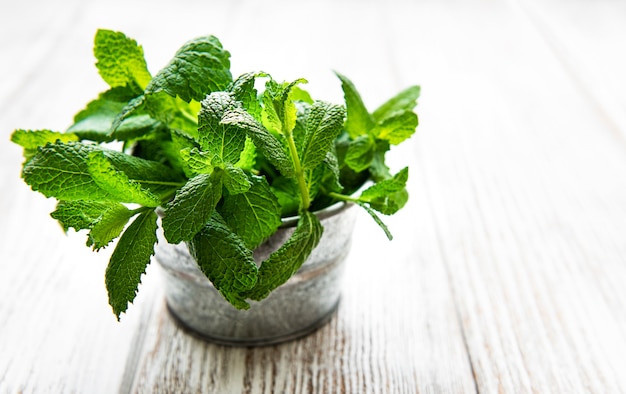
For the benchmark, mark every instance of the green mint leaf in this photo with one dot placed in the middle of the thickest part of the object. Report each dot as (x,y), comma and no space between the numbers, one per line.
(323,124)
(389,195)
(80,215)
(406,100)
(378,169)
(360,153)
(266,142)
(173,112)
(332,174)
(192,207)
(235,180)
(60,170)
(199,67)
(244,92)
(396,128)
(359,121)
(254,214)
(128,109)
(224,141)
(30,140)
(313,179)
(177,151)
(377,220)
(225,260)
(96,120)
(287,194)
(153,176)
(247,159)
(117,182)
(279,110)
(299,94)
(135,127)
(109,225)
(303,110)
(129,260)
(282,264)
(196,161)
(120,60)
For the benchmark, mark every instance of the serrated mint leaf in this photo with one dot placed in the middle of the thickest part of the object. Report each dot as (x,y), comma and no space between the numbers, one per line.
(360,153)
(282,264)
(406,100)
(225,260)
(224,141)
(332,173)
(60,170)
(378,221)
(199,67)
(265,141)
(299,131)
(120,60)
(254,214)
(235,180)
(378,169)
(30,140)
(388,196)
(359,121)
(313,179)
(397,127)
(243,90)
(192,207)
(129,260)
(80,215)
(323,124)
(279,110)
(117,183)
(109,225)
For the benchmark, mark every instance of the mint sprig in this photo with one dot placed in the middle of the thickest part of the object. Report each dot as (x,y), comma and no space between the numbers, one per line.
(221,160)
(129,261)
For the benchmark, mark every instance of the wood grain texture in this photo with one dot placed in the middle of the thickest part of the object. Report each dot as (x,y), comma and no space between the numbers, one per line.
(507,269)
(527,187)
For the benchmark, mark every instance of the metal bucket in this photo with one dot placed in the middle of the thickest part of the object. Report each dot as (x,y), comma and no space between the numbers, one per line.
(304,303)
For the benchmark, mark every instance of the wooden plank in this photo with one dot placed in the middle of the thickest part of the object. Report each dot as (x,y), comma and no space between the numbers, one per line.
(527,188)
(588,39)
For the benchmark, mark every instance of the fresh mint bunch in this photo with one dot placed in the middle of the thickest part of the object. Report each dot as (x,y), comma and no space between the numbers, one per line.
(220,160)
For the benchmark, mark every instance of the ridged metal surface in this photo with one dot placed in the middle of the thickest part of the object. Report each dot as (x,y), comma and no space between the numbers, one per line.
(298,307)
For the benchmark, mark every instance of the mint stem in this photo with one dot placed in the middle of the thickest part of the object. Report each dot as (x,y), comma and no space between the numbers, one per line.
(304,189)
(343,197)
(141,210)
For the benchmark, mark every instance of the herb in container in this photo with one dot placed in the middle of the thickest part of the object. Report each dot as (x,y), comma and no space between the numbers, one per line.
(247,186)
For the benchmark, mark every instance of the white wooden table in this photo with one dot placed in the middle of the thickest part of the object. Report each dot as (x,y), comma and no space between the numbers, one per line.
(508,270)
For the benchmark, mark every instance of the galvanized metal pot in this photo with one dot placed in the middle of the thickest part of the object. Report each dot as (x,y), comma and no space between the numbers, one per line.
(301,305)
